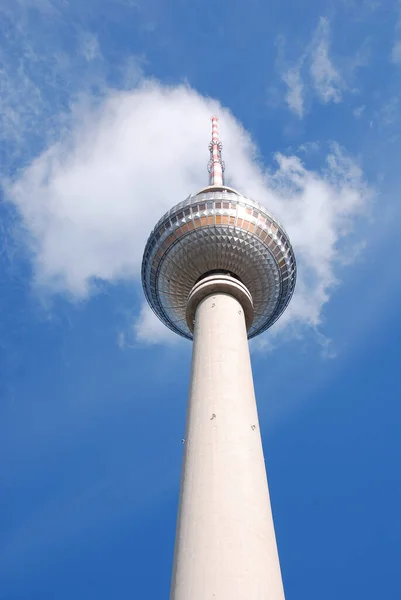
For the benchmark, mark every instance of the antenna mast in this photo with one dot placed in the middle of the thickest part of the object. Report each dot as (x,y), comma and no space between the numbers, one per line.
(216,165)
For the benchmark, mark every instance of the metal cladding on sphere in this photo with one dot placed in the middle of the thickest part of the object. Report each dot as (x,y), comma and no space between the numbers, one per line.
(218,229)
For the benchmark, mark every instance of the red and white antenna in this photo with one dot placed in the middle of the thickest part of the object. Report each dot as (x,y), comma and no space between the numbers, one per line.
(215,165)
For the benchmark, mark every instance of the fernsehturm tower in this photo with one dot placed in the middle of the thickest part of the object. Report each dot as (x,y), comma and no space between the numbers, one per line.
(218,268)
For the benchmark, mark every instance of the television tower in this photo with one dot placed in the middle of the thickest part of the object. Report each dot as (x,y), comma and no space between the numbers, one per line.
(218,268)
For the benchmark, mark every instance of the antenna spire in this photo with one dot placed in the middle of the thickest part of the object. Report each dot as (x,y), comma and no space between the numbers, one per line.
(215,165)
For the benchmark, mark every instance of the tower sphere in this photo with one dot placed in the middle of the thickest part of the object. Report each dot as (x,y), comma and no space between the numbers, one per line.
(218,229)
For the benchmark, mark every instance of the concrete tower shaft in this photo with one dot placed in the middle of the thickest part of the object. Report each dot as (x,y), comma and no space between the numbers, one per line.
(225,543)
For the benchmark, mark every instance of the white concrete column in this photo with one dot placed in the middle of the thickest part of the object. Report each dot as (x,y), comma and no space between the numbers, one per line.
(225,542)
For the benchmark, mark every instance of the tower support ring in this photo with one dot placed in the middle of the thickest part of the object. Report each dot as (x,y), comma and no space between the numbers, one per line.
(222,284)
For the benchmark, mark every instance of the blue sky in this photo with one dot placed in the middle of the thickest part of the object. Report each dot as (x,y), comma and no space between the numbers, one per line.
(104,123)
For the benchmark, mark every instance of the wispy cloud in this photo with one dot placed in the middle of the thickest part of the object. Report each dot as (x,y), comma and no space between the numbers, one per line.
(326,79)
(295,93)
(396,52)
(358,111)
(389,113)
(48,59)
(314,73)
(396,48)
(89,46)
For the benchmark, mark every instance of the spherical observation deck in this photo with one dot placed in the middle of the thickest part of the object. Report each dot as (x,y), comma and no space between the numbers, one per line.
(218,229)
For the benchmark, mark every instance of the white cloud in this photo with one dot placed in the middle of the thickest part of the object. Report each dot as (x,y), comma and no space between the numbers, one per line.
(146,328)
(122,158)
(326,79)
(319,213)
(149,329)
(89,202)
